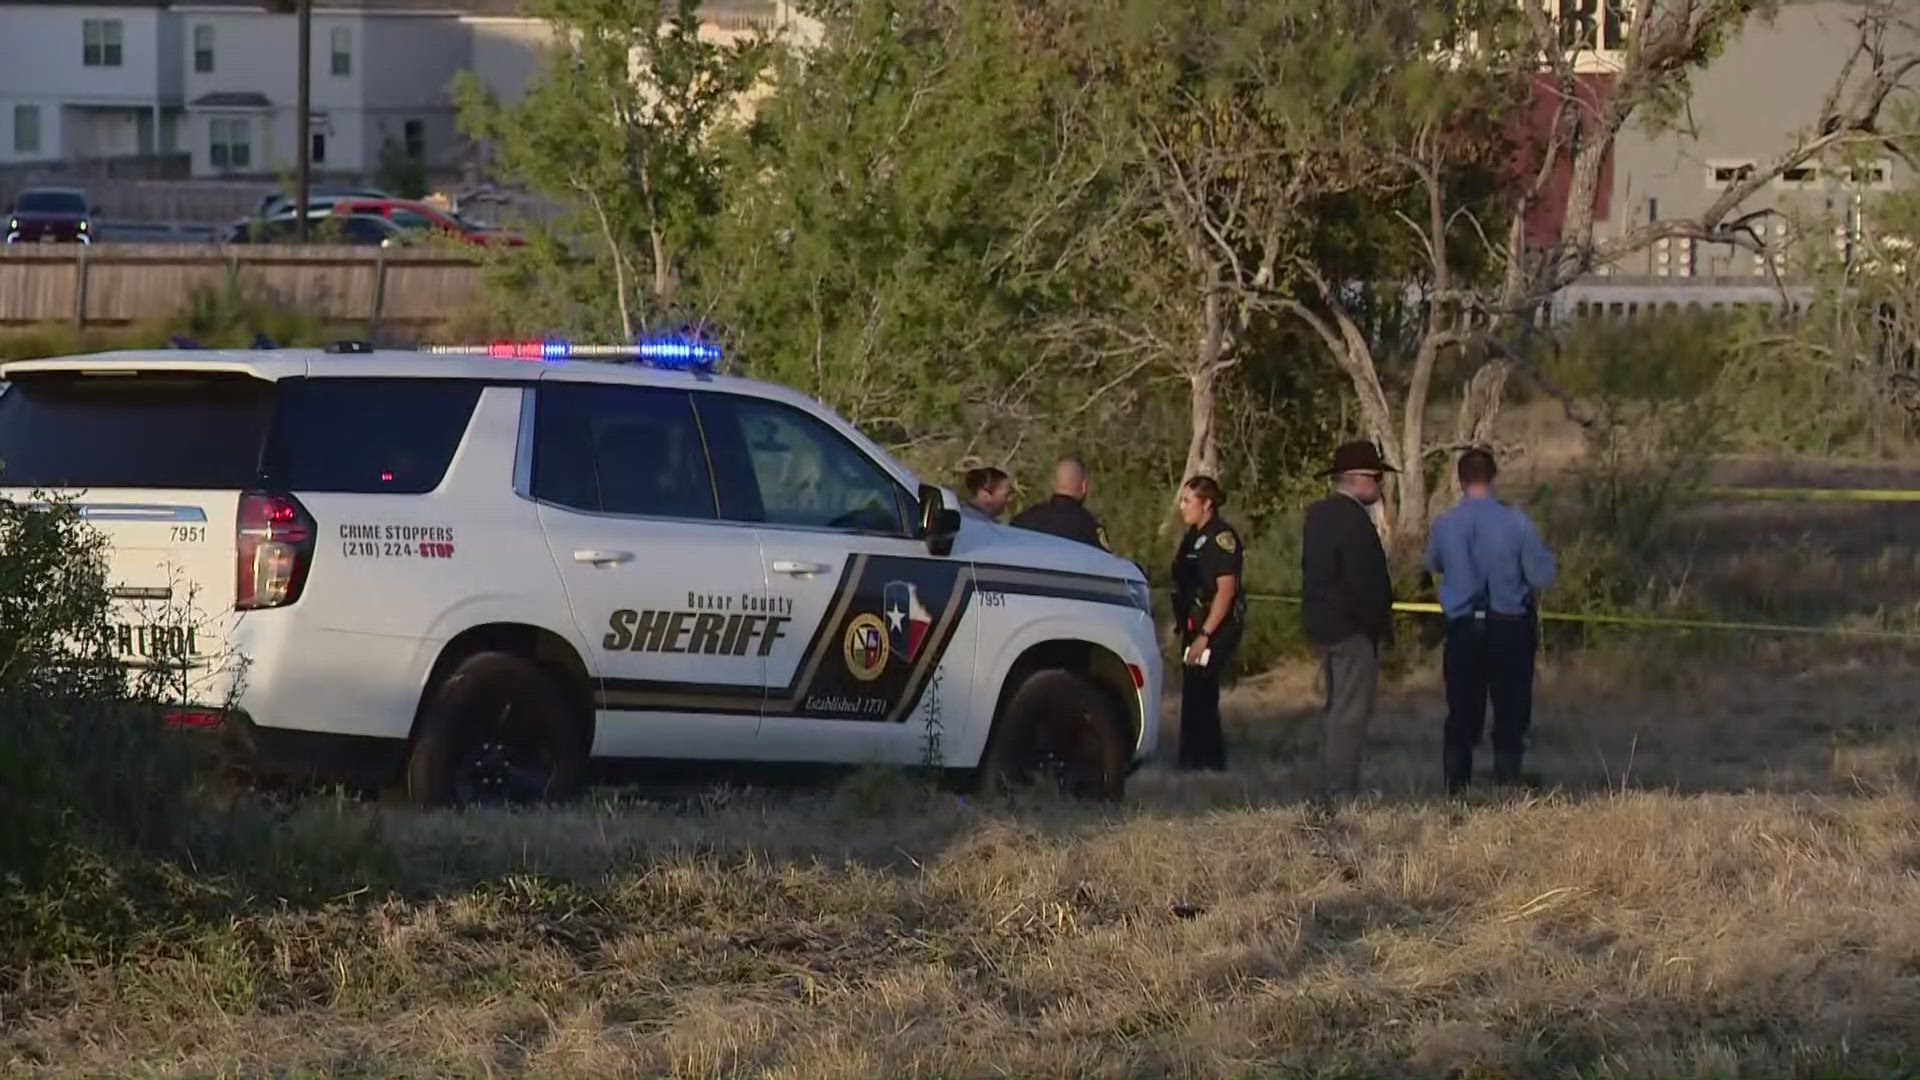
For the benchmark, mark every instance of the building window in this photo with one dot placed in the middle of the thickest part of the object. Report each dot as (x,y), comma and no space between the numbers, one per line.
(203,48)
(1872,175)
(319,149)
(229,143)
(1773,259)
(1722,174)
(100,42)
(1598,25)
(1673,257)
(1876,175)
(26,129)
(342,52)
(415,133)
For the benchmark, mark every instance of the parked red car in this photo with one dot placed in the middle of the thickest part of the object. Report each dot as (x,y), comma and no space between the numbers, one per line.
(414,216)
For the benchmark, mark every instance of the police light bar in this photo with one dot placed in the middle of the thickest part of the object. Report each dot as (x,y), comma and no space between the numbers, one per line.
(673,352)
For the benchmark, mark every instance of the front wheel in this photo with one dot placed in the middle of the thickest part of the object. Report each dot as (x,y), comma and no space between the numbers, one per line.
(1060,730)
(496,731)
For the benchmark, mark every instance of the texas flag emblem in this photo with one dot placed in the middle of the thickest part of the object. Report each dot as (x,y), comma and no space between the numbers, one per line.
(907,620)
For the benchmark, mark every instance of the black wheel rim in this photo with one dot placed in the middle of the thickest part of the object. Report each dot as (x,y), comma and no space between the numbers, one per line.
(506,759)
(1066,753)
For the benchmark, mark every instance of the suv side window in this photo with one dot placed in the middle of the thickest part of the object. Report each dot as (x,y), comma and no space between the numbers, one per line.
(369,436)
(777,465)
(620,450)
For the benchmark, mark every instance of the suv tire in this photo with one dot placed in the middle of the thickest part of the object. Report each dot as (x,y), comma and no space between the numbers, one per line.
(1060,729)
(496,730)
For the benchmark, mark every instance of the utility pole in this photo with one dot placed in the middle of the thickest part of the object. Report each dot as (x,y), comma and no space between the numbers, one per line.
(304,139)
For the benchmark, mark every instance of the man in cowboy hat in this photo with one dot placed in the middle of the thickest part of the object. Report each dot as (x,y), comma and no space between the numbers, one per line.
(1347,605)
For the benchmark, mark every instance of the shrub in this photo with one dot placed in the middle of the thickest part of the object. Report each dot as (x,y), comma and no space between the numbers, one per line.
(86,776)
(234,312)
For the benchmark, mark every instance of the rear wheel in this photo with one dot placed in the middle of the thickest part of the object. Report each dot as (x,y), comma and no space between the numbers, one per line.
(1058,730)
(496,731)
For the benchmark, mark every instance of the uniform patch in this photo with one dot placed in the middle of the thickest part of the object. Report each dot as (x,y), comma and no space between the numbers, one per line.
(1226,540)
(866,647)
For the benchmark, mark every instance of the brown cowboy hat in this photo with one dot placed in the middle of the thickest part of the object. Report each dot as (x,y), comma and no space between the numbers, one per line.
(1358,456)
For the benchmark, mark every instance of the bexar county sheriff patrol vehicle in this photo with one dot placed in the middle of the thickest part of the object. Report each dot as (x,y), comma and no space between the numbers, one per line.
(474,572)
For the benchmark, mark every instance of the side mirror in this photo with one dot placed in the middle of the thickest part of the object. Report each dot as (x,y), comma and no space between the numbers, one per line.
(939,522)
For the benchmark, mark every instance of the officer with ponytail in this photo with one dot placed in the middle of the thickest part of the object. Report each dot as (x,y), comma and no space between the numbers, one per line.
(1209,611)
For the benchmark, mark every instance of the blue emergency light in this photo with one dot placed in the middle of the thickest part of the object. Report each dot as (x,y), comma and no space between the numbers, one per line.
(671,353)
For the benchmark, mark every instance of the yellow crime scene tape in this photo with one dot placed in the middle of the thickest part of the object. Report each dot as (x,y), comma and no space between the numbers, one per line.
(1818,494)
(1805,494)
(1428,608)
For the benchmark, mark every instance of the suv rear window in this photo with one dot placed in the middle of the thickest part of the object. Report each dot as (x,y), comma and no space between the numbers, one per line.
(368,435)
(151,430)
(201,432)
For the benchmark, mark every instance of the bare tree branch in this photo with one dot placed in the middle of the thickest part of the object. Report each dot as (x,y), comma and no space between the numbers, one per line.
(1569,404)
(613,251)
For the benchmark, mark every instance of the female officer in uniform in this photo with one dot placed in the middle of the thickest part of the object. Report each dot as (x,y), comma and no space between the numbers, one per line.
(1209,612)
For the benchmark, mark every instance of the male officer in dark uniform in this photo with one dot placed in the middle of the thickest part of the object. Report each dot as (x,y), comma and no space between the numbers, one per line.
(1209,612)
(1492,568)
(988,491)
(1066,513)
(1347,605)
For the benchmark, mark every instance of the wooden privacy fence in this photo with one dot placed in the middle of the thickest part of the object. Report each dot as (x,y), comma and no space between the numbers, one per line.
(115,284)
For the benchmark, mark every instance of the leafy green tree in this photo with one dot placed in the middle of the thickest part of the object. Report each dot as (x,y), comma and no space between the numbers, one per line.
(1247,138)
(892,227)
(402,173)
(622,127)
(1485,314)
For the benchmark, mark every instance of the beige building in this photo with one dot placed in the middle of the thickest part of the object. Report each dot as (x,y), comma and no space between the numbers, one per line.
(1767,88)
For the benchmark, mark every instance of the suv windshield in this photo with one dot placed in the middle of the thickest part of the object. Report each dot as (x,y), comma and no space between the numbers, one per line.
(50,202)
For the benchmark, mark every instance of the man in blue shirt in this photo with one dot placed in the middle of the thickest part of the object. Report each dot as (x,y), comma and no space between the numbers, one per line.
(1492,569)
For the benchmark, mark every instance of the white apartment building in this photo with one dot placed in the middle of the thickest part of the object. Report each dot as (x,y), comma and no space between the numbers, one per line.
(219,80)
(89,80)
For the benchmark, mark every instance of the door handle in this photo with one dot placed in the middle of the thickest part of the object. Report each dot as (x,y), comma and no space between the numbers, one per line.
(601,558)
(797,568)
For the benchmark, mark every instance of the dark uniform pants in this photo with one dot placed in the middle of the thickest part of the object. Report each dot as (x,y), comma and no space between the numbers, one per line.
(1202,746)
(1488,659)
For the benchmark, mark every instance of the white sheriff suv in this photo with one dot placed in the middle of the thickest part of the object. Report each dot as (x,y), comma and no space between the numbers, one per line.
(481,573)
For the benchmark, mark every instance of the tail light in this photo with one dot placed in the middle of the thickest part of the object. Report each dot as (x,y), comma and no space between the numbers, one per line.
(275,551)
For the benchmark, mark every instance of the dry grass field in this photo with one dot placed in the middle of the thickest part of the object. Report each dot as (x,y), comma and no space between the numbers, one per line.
(1721,878)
